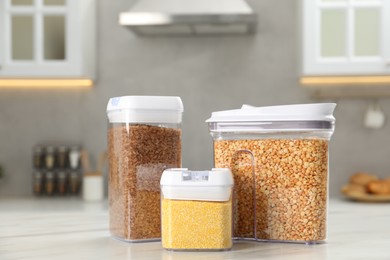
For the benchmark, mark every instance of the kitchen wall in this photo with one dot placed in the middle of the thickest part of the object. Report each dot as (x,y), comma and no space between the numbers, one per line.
(209,73)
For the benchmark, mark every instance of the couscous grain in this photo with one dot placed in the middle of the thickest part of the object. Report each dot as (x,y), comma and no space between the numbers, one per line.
(188,224)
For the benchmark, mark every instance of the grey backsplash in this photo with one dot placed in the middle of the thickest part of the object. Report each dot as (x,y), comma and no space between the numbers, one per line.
(209,73)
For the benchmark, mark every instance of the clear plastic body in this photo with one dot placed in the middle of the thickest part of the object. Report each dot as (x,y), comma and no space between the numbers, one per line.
(138,155)
(281,181)
(194,225)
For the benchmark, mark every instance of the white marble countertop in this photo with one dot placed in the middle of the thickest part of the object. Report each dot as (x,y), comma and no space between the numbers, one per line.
(71,229)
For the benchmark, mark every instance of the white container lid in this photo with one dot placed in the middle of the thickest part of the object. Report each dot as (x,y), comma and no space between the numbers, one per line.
(145,109)
(302,112)
(274,119)
(182,184)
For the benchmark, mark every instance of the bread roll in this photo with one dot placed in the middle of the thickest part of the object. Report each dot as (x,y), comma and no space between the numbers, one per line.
(354,188)
(380,187)
(362,178)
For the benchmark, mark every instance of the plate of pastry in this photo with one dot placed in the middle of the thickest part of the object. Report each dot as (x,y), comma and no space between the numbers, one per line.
(367,187)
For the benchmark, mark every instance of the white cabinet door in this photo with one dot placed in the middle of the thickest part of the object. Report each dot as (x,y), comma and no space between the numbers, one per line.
(346,37)
(46,38)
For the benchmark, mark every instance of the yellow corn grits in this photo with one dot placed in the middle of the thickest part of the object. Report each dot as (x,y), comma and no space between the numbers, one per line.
(196,224)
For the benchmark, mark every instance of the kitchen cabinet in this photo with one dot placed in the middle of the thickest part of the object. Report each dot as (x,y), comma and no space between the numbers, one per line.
(346,37)
(47,39)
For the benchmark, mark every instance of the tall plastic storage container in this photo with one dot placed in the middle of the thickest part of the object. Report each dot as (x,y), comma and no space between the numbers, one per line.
(144,139)
(196,209)
(279,159)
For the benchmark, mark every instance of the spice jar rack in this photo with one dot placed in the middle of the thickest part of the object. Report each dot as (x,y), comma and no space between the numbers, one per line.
(57,170)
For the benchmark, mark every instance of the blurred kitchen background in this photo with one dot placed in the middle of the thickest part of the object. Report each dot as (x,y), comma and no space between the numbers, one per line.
(210,73)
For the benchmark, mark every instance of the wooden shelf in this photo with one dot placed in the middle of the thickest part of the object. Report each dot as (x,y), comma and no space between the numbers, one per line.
(344,80)
(346,87)
(33,83)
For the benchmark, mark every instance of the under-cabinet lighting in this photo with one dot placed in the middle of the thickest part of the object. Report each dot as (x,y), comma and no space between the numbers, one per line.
(345,80)
(46,83)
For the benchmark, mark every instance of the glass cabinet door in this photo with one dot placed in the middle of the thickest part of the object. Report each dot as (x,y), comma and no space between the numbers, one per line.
(367,32)
(54,44)
(333,33)
(38,29)
(22,39)
(39,37)
(47,40)
(346,37)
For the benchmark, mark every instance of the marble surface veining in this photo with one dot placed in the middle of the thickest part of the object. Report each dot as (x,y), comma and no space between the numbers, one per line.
(71,229)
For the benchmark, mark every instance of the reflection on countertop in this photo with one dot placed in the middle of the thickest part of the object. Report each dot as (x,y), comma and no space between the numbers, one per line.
(70,228)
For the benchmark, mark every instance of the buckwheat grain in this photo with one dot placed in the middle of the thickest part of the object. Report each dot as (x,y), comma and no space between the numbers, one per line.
(138,155)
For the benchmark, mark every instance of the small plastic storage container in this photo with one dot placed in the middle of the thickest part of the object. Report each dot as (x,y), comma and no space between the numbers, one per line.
(144,139)
(279,159)
(196,209)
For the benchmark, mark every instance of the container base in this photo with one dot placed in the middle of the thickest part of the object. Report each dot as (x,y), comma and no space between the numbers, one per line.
(197,250)
(292,241)
(137,240)
(279,241)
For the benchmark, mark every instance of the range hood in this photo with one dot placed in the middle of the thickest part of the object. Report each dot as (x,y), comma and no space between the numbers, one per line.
(189,17)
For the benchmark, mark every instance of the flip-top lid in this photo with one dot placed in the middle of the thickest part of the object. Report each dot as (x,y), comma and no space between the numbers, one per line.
(182,184)
(303,112)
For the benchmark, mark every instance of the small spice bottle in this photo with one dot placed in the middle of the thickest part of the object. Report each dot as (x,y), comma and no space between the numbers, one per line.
(49,183)
(144,139)
(62,182)
(74,157)
(62,157)
(38,157)
(38,182)
(74,182)
(50,157)
(196,209)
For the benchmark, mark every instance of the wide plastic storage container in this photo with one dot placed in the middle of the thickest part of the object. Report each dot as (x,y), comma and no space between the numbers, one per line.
(279,159)
(196,209)
(144,139)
